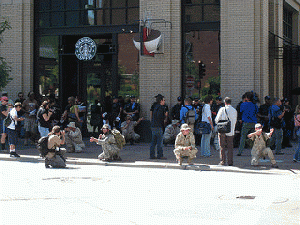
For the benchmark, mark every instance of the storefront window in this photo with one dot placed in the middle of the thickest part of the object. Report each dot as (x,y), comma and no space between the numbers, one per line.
(48,62)
(202,47)
(128,66)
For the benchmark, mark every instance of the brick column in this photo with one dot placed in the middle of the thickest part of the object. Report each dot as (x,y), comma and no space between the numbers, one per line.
(244,48)
(162,73)
(17,46)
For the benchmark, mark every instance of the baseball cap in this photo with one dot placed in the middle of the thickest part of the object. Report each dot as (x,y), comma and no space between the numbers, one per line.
(267,97)
(219,98)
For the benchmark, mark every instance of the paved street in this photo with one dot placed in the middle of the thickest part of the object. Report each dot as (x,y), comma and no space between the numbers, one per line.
(93,194)
(143,191)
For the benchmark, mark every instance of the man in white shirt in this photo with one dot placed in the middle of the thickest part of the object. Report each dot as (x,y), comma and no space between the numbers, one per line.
(226,139)
(207,117)
(11,129)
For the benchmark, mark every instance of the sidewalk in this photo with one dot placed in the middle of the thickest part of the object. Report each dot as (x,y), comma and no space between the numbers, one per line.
(138,156)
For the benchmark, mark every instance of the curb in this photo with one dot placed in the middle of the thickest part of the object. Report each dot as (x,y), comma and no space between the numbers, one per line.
(153,165)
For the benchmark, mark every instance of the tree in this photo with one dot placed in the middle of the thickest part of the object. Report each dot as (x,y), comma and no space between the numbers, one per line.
(4,67)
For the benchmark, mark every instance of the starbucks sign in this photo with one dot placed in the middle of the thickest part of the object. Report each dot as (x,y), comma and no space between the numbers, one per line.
(85,48)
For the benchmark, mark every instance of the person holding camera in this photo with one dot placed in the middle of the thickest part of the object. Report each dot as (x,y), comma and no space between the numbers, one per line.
(74,142)
(109,145)
(43,117)
(55,155)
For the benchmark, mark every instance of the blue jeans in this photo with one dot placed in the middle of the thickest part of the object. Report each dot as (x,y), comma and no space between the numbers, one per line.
(297,152)
(246,128)
(205,145)
(276,139)
(157,137)
(43,131)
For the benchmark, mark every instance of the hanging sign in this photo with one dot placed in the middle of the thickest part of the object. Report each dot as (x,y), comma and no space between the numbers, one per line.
(85,48)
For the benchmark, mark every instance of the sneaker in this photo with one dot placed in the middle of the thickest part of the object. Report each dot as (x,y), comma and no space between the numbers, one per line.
(274,166)
(239,154)
(14,154)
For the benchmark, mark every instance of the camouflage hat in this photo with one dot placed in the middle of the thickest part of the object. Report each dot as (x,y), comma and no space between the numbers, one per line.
(185,126)
(105,126)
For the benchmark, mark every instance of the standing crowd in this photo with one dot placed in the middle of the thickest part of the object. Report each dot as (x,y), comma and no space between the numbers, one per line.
(190,122)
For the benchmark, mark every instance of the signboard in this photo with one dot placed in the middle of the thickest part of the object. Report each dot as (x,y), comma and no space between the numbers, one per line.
(85,48)
(190,81)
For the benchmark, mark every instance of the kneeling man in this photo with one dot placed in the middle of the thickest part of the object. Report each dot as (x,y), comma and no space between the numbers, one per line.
(74,142)
(185,145)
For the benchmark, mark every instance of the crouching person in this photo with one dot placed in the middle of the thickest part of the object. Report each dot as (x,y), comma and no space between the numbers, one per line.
(127,128)
(109,145)
(74,142)
(171,132)
(185,145)
(55,156)
(260,149)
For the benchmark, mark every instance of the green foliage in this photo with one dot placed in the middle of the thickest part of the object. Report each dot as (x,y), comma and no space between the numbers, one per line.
(214,87)
(4,67)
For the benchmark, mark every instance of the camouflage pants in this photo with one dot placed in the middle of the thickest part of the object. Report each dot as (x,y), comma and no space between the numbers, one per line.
(189,153)
(256,155)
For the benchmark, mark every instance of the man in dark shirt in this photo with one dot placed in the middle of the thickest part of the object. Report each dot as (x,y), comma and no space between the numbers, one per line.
(175,111)
(132,109)
(263,114)
(157,126)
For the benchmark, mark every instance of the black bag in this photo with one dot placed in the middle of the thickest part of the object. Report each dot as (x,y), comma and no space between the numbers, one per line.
(224,126)
(7,121)
(202,127)
(42,146)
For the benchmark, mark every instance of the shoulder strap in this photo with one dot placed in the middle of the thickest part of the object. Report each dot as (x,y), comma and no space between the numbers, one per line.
(226,113)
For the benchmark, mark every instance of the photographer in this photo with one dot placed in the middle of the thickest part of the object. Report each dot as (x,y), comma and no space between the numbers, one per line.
(43,117)
(73,137)
(55,156)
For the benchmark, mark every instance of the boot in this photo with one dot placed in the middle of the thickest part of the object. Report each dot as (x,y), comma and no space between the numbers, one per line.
(190,161)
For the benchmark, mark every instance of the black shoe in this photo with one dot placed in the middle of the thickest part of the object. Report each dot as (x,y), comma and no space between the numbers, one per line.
(152,157)
(162,158)
(274,166)
(14,154)
(239,154)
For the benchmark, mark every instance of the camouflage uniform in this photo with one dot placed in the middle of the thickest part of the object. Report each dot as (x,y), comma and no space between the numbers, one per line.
(74,141)
(129,131)
(260,150)
(109,147)
(170,134)
(182,142)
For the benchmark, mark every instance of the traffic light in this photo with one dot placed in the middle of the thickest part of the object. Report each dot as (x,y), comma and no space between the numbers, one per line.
(201,69)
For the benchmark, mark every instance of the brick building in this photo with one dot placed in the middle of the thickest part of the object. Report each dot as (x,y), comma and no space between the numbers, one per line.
(250,44)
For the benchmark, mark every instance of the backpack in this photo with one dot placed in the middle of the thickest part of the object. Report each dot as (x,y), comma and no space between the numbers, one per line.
(7,121)
(42,146)
(120,139)
(190,116)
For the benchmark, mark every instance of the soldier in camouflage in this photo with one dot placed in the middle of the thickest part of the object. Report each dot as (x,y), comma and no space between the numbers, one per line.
(260,149)
(109,145)
(185,145)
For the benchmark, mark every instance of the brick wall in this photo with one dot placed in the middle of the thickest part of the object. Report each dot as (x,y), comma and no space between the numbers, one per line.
(244,48)
(17,46)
